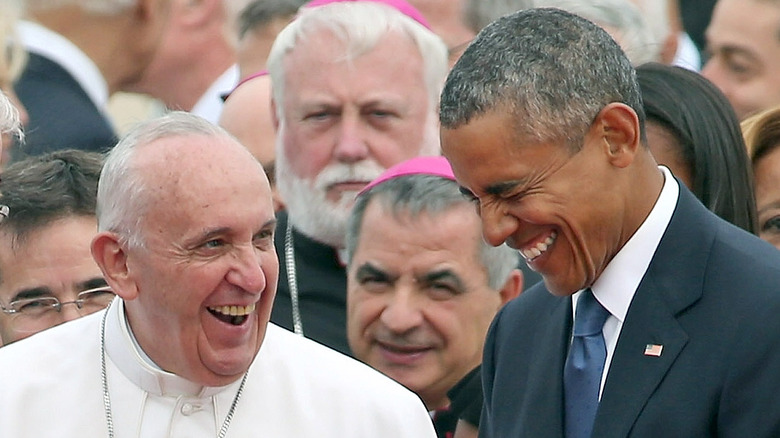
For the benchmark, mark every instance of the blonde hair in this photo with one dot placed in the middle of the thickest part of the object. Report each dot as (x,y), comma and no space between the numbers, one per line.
(762,133)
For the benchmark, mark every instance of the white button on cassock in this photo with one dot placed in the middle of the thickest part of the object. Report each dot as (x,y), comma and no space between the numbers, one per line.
(189,408)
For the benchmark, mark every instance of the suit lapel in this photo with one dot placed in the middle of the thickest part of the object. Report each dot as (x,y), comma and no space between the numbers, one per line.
(672,283)
(633,375)
(545,384)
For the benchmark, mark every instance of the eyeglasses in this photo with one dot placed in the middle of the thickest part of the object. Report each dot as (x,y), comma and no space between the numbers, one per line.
(34,314)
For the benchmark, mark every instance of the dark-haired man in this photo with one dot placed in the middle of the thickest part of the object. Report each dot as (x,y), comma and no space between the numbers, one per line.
(47,221)
(656,317)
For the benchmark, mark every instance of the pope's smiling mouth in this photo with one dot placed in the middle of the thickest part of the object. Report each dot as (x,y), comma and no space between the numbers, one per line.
(234,315)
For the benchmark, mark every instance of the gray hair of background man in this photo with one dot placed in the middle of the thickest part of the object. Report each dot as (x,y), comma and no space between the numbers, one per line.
(262,12)
(233,10)
(552,70)
(40,190)
(360,25)
(106,7)
(657,15)
(419,194)
(121,200)
(480,13)
(624,18)
(10,123)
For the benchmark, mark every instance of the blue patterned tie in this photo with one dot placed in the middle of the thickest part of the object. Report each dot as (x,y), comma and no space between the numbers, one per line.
(582,372)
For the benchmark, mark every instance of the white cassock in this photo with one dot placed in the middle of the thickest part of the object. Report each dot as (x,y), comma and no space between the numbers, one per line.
(51,386)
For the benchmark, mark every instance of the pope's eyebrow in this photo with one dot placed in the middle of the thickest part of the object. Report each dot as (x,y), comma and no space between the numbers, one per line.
(211,233)
(270,223)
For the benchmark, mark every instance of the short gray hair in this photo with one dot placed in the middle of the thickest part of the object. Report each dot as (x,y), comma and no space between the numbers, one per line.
(417,194)
(232,10)
(480,13)
(625,17)
(10,123)
(552,71)
(100,7)
(121,206)
(260,13)
(360,25)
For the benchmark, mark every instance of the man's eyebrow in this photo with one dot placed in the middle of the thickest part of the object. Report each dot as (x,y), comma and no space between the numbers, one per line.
(502,188)
(467,193)
(32,292)
(443,274)
(498,189)
(731,50)
(369,270)
(318,105)
(92,283)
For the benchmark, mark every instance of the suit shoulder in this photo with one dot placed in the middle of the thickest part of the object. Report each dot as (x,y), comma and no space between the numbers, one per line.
(531,300)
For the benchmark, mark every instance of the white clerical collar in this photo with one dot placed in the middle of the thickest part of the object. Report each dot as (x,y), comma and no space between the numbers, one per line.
(135,365)
(617,284)
(210,104)
(49,44)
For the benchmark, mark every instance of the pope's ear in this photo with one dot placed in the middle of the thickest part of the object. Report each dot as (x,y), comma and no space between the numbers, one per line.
(111,257)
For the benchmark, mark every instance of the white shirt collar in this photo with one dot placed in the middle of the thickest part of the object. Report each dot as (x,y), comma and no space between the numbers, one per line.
(617,284)
(209,106)
(136,365)
(44,42)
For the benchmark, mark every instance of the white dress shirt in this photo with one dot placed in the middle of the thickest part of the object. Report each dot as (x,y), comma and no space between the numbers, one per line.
(617,284)
(210,104)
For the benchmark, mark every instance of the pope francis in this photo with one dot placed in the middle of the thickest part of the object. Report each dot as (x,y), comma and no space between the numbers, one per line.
(185,240)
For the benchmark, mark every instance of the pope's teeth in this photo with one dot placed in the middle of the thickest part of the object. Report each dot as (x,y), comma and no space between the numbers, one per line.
(234,310)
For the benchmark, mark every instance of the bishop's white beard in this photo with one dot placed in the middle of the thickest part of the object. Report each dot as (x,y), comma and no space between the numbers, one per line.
(308,207)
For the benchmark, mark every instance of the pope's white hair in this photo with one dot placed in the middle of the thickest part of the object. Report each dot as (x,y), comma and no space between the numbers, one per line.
(122,189)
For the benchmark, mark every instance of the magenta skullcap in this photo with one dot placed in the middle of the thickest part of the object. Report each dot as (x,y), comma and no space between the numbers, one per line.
(434,166)
(400,5)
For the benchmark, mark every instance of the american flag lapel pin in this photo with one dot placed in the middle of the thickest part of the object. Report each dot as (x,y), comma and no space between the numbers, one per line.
(653,350)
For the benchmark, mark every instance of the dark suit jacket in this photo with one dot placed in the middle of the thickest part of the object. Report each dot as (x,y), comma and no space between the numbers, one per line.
(62,116)
(711,297)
